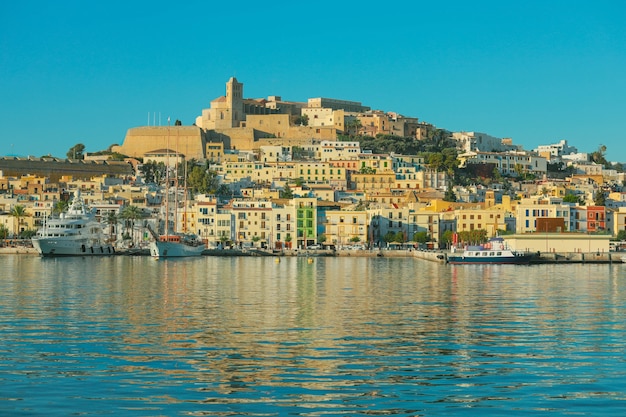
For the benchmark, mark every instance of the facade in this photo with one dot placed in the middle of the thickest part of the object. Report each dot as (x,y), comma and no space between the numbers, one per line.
(556,150)
(529,210)
(492,220)
(306,221)
(482,142)
(559,242)
(346,227)
(334,104)
(334,150)
(508,163)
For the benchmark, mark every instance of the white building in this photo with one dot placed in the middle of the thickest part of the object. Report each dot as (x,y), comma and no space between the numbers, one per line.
(332,150)
(556,150)
(508,163)
(476,141)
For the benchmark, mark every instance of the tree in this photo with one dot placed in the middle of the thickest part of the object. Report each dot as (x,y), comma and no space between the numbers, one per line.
(353,126)
(286,192)
(573,198)
(201,181)
(355,239)
(446,238)
(600,198)
(223,191)
(4,231)
(76,151)
(60,206)
(420,237)
(255,239)
(449,195)
(399,237)
(129,214)
(302,120)
(18,212)
(621,235)
(598,157)
(436,161)
(111,221)
(152,172)
(389,237)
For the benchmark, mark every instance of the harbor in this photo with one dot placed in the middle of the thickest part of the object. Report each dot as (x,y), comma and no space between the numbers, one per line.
(439,256)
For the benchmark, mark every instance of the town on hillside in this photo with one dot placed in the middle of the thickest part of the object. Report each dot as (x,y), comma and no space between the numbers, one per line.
(325,173)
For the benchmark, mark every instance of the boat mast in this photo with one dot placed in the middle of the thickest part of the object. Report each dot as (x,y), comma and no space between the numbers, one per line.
(176,186)
(167,182)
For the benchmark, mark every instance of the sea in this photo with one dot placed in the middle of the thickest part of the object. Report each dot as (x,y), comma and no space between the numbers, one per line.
(298,336)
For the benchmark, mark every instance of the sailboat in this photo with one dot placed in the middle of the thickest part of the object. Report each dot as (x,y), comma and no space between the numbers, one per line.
(173,244)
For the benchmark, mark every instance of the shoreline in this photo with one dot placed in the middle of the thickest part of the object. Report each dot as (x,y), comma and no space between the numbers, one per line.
(431,256)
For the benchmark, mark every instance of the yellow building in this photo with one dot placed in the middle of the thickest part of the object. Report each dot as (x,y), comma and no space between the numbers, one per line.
(374,182)
(344,228)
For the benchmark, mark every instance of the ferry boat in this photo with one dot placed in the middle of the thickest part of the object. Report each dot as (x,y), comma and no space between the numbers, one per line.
(493,252)
(76,232)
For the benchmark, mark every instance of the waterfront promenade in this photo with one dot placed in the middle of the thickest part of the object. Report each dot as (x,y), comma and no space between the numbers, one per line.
(438,256)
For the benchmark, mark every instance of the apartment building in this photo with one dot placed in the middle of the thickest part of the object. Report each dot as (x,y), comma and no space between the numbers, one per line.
(508,163)
(334,150)
(346,227)
(253,222)
(530,209)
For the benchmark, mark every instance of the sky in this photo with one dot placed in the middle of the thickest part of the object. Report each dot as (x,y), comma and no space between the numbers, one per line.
(535,71)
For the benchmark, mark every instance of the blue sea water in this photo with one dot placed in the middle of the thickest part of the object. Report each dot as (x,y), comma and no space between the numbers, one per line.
(340,336)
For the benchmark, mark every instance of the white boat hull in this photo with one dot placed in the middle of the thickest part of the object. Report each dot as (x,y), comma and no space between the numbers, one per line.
(66,247)
(161,249)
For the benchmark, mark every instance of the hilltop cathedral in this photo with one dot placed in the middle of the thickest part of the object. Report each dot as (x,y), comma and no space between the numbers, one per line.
(235,123)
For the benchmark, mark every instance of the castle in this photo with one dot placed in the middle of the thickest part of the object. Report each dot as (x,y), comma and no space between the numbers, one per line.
(233,122)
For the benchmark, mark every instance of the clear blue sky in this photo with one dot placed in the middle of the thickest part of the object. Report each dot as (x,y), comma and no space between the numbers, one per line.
(536,71)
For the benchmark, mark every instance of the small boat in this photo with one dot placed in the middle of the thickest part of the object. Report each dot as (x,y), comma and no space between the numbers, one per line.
(493,252)
(76,232)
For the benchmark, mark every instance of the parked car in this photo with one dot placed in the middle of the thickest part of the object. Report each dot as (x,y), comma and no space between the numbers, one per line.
(315,246)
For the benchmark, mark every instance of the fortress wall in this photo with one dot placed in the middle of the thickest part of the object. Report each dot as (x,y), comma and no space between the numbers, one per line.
(187,140)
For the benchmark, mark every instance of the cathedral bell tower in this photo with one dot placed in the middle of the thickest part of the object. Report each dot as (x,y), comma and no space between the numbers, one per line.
(234,101)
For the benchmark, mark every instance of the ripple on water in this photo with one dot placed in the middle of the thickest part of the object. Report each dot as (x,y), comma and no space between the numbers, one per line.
(350,336)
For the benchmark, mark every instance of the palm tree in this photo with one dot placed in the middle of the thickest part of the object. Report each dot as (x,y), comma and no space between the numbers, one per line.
(60,206)
(18,212)
(129,214)
(111,221)
(353,127)
(4,231)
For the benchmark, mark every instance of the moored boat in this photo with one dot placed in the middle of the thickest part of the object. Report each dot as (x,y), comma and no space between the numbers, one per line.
(176,246)
(76,232)
(493,252)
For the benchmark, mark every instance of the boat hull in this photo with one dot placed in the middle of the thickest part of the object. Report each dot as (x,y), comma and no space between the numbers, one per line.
(160,249)
(50,247)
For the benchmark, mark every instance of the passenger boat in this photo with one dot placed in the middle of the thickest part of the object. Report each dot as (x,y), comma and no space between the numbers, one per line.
(75,232)
(493,252)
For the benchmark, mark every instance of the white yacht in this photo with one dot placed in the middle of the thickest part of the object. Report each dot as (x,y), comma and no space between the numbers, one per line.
(76,232)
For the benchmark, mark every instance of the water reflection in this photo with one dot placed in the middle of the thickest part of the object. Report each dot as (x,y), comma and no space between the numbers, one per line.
(224,336)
